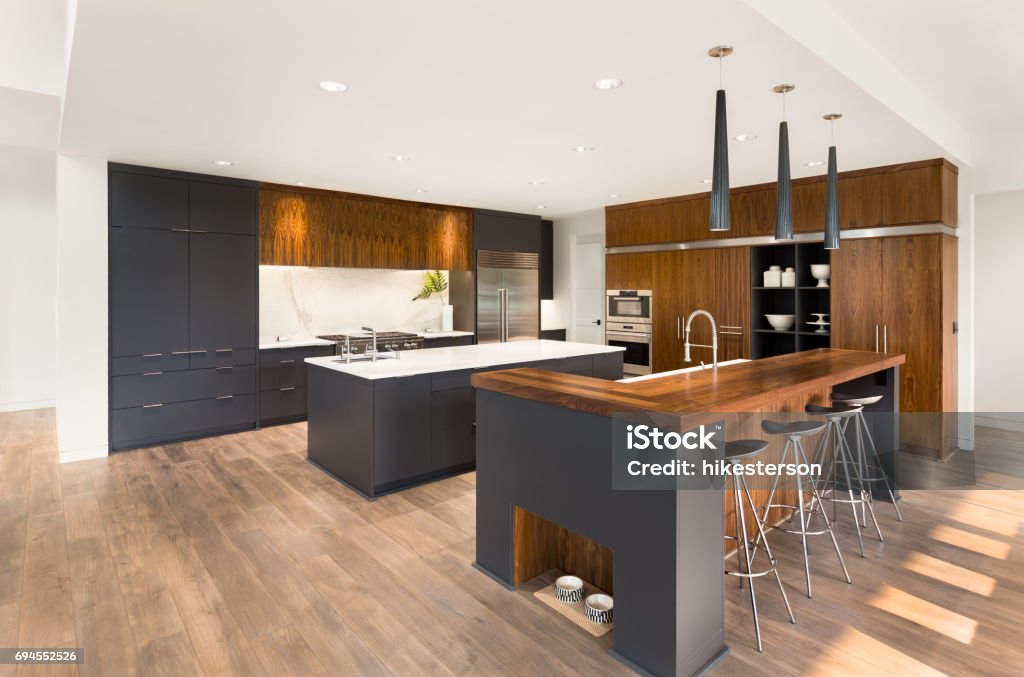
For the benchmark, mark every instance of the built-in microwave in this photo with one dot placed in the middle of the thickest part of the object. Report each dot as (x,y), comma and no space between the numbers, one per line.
(629,305)
(635,339)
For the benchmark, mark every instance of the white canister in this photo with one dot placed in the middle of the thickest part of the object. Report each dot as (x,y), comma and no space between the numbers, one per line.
(789,277)
(773,277)
(447,318)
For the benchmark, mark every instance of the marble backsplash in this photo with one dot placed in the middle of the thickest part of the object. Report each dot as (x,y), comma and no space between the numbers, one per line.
(301,302)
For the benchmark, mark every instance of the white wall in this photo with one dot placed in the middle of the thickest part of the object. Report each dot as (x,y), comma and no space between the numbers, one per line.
(300,302)
(999,322)
(81,307)
(28,278)
(558,313)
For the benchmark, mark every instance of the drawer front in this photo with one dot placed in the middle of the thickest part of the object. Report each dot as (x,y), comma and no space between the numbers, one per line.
(141,364)
(289,355)
(450,380)
(583,363)
(180,419)
(284,403)
(181,386)
(285,374)
(447,341)
(222,357)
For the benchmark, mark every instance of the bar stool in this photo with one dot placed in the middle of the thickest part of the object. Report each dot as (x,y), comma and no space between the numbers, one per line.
(736,453)
(794,433)
(871,465)
(838,416)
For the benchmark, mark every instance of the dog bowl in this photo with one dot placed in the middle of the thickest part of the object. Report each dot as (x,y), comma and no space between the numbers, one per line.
(569,589)
(599,608)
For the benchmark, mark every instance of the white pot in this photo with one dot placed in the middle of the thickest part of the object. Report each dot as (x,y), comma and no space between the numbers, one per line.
(447,318)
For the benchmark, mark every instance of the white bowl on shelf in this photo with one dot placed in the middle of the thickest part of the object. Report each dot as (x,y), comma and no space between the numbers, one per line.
(821,272)
(781,322)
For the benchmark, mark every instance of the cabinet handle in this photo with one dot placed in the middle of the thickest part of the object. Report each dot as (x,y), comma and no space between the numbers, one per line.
(189,352)
(187,230)
(152,373)
(876,338)
(679,324)
(225,397)
(287,361)
(151,406)
(885,339)
(154,355)
(287,389)
(229,368)
(223,350)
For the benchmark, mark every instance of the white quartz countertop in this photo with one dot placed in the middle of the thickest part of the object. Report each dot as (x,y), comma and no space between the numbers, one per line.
(663,374)
(433,360)
(426,333)
(296,343)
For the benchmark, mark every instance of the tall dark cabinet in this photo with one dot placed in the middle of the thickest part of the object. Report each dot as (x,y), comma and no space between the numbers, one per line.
(183,305)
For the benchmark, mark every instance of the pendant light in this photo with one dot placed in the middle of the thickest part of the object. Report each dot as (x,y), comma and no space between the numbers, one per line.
(784,190)
(720,215)
(832,189)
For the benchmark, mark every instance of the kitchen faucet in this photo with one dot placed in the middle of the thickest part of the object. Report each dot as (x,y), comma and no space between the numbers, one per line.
(714,338)
(372,348)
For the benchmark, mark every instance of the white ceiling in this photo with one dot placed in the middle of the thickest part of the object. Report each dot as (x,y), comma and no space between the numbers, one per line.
(484,96)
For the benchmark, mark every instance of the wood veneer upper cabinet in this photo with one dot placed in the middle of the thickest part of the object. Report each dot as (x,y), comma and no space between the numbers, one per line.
(683,282)
(920,194)
(732,302)
(629,271)
(860,202)
(857,308)
(809,206)
(327,229)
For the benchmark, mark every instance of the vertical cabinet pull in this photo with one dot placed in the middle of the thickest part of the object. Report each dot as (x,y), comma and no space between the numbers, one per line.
(876,338)
(885,339)
(679,324)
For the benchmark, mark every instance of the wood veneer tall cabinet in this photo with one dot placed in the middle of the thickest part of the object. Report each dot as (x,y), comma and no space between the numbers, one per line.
(898,295)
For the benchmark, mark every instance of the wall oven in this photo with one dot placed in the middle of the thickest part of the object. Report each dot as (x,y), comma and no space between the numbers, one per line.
(636,339)
(632,306)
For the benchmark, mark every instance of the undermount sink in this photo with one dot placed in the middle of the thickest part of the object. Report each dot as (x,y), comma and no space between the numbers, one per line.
(662,374)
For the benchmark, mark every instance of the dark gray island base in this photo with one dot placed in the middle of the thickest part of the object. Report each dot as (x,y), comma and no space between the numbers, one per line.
(545,496)
(394,423)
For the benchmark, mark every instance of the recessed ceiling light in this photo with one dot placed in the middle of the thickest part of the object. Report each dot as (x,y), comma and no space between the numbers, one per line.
(400,158)
(421,190)
(542,206)
(223,163)
(582,149)
(332,86)
(613,195)
(745,137)
(814,163)
(705,180)
(536,183)
(608,83)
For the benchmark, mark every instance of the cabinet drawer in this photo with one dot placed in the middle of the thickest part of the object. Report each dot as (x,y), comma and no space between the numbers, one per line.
(450,380)
(284,374)
(282,403)
(289,355)
(141,364)
(179,386)
(222,357)
(140,425)
(447,341)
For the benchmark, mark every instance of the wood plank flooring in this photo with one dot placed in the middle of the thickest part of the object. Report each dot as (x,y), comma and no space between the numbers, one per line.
(233,556)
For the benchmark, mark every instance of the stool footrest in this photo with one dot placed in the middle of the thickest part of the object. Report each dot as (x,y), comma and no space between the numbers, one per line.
(807,511)
(772,562)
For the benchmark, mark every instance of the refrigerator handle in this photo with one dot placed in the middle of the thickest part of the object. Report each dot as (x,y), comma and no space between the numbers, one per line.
(503,315)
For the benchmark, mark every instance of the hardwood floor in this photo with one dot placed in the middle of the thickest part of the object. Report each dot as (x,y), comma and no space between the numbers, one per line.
(232,555)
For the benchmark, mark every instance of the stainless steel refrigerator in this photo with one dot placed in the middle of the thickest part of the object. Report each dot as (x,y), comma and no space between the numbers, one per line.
(507,296)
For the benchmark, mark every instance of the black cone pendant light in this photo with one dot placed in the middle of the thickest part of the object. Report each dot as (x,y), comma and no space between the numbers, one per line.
(720,215)
(784,191)
(832,190)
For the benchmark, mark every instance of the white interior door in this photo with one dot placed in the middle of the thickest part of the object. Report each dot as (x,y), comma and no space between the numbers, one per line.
(588,289)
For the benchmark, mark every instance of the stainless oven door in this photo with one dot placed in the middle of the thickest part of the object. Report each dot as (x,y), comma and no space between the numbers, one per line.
(629,307)
(637,358)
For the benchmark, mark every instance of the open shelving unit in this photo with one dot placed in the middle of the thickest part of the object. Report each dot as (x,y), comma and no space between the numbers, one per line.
(802,300)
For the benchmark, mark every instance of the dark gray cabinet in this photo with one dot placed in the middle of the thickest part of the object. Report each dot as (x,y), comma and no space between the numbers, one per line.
(183,305)
(452,428)
(221,208)
(222,291)
(547,260)
(283,378)
(506,231)
(147,201)
(148,292)
(448,341)
(401,425)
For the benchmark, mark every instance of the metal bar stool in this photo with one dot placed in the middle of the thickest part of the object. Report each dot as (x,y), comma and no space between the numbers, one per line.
(794,433)
(870,463)
(736,453)
(834,440)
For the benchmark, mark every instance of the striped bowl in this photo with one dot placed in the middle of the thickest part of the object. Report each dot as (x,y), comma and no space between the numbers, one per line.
(599,608)
(569,589)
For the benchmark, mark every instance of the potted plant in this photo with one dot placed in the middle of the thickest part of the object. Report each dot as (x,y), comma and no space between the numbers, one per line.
(436,284)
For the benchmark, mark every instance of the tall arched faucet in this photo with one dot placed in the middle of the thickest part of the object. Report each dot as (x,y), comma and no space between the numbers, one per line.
(714,337)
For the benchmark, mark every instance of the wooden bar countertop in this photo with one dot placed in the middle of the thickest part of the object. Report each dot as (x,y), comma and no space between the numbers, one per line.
(745,387)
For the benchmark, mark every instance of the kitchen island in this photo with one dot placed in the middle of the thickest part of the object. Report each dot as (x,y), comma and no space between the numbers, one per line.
(659,552)
(383,425)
